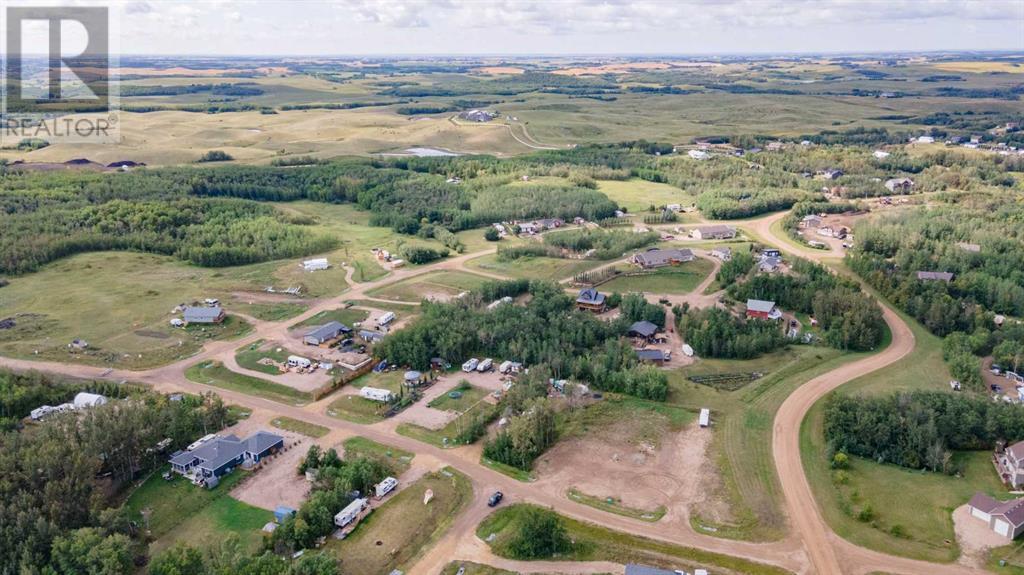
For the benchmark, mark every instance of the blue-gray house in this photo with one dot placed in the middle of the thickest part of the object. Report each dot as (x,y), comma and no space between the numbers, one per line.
(221,455)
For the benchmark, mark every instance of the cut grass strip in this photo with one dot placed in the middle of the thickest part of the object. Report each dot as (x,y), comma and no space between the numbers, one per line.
(398,459)
(593,542)
(214,373)
(513,472)
(612,505)
(304,427)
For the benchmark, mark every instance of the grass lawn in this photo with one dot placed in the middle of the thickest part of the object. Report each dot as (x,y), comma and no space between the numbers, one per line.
(612,505)
(398,459)
(595,543)
(346,316)
(651,418)
(469,395)
(542,268)
(513,472)
(681,279)
(445,436)
(742,424)
(304,427)
(1012,555)
(389,306)
(125,322)
(178,511)
(638,195)
(920,527)
(249,357)
(214,373)
(438,284)
(272,311)
(357,409)
(396,533)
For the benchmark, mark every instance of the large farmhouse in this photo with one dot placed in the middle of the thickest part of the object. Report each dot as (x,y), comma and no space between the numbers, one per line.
(657,257)
(219,456)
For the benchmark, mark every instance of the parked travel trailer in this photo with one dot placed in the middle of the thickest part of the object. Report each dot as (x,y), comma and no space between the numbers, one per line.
(376,394)
(505,367)
(485,365)
(386,318)
(470,365)
(298,361)
(386,486)
(350,513)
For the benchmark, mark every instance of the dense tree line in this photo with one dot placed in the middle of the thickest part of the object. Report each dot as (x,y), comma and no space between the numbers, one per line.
(229,557)
(545,330)
(337,482)
(742,203)
(850,319)
(738,266)
(714,332)
(54,514)
(600,244)
(525,437)
(920,429)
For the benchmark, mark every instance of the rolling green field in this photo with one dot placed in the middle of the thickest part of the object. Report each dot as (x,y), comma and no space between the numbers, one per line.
(118,302)
(542,268)
(397,532)
(437,284)
(638,195)
(681,279)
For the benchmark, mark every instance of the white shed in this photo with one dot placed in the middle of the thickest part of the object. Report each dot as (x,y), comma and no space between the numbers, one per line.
(705,417)
(85,399)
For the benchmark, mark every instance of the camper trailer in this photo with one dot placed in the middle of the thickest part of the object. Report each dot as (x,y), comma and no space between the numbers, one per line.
(298,361)
(485,365)
(470,365)
(376,394)
(384,487)
(350,513)
(386,318)
(705,417)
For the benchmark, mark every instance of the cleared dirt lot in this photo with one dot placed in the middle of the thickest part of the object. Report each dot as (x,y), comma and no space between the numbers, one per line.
(610,462)
(975,537)
(276,482)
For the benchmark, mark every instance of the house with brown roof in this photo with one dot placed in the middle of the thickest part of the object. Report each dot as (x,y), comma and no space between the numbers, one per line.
(1004,517)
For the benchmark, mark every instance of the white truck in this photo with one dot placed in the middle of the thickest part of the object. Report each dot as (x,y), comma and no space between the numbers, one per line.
(470,365)
(485,365)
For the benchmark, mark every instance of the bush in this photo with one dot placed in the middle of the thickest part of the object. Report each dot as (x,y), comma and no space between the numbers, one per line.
(491,235)
(538,534)
(215,156)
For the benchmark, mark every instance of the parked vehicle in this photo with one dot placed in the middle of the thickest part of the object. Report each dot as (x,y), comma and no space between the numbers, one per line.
(495,499)
(470,365)
(485,365)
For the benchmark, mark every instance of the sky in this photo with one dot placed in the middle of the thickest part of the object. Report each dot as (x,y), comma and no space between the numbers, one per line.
(515,27)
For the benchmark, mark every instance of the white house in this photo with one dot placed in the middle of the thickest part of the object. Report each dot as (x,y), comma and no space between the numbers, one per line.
(315,264)
(376,394)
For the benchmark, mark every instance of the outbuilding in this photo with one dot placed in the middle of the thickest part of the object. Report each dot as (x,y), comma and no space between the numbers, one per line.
(329,331)
(204,314)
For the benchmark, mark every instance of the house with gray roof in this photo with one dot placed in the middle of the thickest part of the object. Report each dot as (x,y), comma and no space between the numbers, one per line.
(325,333)
(723,253)
(714,232)
(1004,517)
(1010,464)
(644,329)
(219,456)
(591,300)
(204,314)
(655,356)
(370,336)
(657,257)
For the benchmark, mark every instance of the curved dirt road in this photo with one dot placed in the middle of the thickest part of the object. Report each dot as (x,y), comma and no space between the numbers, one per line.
(828,552)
